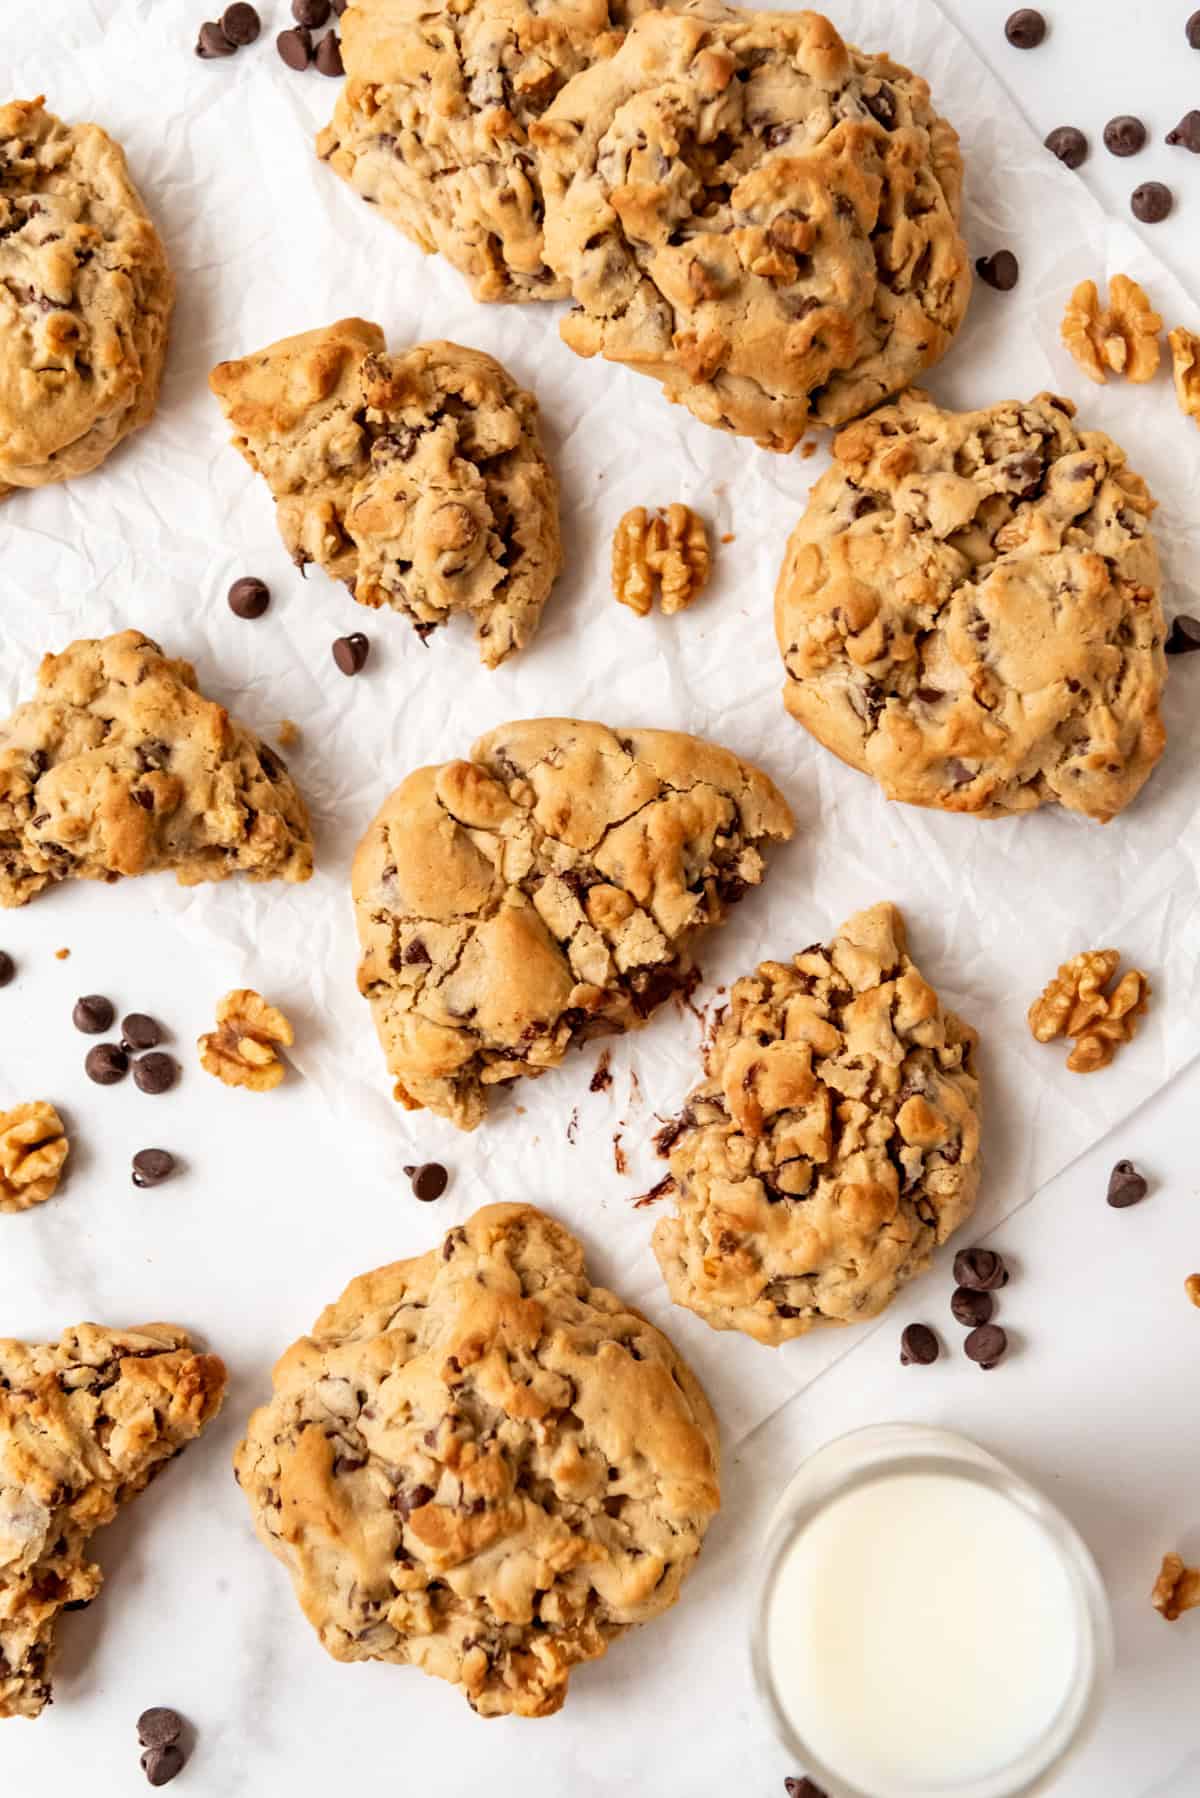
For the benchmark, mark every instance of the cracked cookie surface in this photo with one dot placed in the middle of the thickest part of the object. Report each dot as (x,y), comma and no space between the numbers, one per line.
(761,217)
(482,1465)
(418,479)
(85,299)
(969,610)
(546,891)
(833,1144)
(118,766)
(85,1424)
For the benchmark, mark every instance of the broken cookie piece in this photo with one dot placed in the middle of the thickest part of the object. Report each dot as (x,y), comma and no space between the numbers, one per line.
(546,891)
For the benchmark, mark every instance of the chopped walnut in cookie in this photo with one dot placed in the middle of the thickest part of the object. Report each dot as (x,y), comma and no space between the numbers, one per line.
(1177,1588)
(33,1149)
(671,547)
(1121,337)
(1081,1003)
(244,1048)
(1185,369)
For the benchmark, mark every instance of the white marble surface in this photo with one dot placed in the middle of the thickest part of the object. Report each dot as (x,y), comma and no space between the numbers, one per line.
(284,1198)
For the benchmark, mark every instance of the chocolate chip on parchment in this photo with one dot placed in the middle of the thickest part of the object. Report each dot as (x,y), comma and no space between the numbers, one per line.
(1187,132)
(212,42)
(1025,29)
(971,1307)
(150,1168)
(982,1270)
(249,597)
(350,653)
(329,55)
(240,23)
(140,1032)
(1000,271)
(1069,144)
(429,1180)
(918,1346)
(106,1064)
(8,967)
(1126,1186)
(159,1727)
(1192,28)
(295,47)
(1183,636)
(1151,203)
(313,13)
(160,1765)
(986,1345)
(93,1014)
(802,1788)
(155,1073)
(1125,135)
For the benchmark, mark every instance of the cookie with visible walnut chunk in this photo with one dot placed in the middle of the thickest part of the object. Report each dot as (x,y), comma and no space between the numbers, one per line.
(833,1144)
(546,891)
(482,1465)
(970,610)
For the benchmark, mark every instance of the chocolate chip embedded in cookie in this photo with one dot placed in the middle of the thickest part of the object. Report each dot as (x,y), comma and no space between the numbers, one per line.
(546,891)
(969,610)
(481,1465)
(761,217)
(118,766)
(85,298)
(833,1144)
(85,1423)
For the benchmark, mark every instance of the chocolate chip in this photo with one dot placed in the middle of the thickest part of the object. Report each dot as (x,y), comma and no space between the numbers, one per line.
(1187,132)
(150,1168)
(1025,28)
(802,1788)
(350,653)
(1183,636)
(999,271)
(1069,145)
(159,1727)
(339,7)
(429,1181)
(1192,28)
(1151,203)
(240,23)
(106,1064)
(918,1346)
(295,47)
(310,12)
(155,1073)
(329,55)
(986,1345)
(970,1307)
(160,1765)
(140,1032)
(982,1270)
(8,967)
(212,42)
(249,597)
(93,1014)
(1126,1186)
(1125,135)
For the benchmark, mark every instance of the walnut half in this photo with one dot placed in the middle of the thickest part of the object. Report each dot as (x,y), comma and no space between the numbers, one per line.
(243,1050)
(671,547)
(1177,1588)
(1076,1003)
(1123,336)
(1185,367)
(33,1148)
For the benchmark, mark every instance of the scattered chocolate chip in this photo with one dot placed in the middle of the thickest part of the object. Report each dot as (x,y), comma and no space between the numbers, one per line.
(971,1307)
(802,1788)
(918,1346)
(986,1345)
(249,597)
(160,1765)
(295,47)
(240,23)
(1151,203)
(1183,636)
(350,653)
(1069,145)
(1125,135)
(1025,29)
(212,42)
(1126,1186)
(155,1073)
(429,1181)
(93,1014)
(329,55)
(140,1032)
(1187,132)
(8,966)
(106,1064)
(1000,271)
(313,13)
(1192,28)
(982,1270)
(150,1168)
(159,1727)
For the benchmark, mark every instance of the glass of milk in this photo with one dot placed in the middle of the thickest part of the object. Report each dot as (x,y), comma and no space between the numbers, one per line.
(926,1625)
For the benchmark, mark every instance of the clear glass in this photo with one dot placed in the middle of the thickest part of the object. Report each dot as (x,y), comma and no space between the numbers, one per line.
(877,1452)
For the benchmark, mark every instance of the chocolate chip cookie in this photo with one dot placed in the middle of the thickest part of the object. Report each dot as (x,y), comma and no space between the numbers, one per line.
(119,766)
(418,479)
(758,215)
(85,1423)
(832,1145)
(482,1465)
(546,891)
(969,610)
(85,298)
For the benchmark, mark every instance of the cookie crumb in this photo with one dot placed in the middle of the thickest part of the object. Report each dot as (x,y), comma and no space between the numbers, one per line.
(619,1161)
(659,1191)
(288,733)
(1192,1287)
(62,955)
(1177,1588)
(243,1050)
(1076,1004)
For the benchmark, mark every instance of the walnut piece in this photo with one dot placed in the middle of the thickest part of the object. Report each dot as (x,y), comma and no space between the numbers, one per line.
(243,1050)
(288,733)
(1185,367)
(1122,337)
(672,547)
(33,1148)
(1192,1287)
(1076,1004)
(1177,1588)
